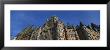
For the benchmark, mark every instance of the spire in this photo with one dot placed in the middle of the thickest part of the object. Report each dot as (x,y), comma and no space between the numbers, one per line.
(81,24)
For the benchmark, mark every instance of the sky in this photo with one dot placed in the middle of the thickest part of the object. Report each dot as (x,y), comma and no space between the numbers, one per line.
(22,18)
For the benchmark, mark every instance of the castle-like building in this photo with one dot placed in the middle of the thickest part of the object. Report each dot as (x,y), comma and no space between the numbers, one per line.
(55,29)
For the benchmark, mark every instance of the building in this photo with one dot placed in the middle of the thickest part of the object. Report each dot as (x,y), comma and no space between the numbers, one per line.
(55,29)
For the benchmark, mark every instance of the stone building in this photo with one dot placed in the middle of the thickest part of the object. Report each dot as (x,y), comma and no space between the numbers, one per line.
(55,29)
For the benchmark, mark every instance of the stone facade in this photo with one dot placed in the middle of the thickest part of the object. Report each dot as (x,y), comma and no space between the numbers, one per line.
(55,29)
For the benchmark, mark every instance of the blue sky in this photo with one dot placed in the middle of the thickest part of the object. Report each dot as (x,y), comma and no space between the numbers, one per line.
(22,18)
